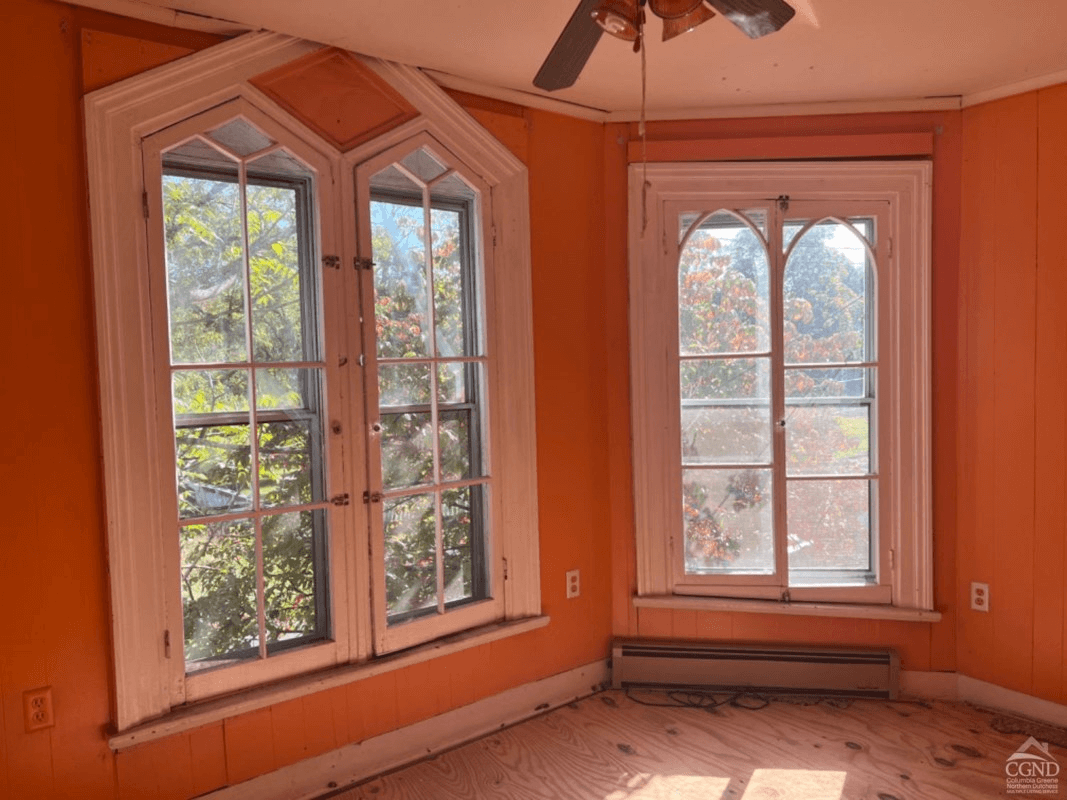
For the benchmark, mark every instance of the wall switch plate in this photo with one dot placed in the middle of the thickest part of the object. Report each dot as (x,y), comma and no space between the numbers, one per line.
(37,709)
(979,596)
(574,587)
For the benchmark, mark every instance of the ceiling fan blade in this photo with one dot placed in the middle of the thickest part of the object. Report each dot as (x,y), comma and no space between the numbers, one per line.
(755,18)
(571,50)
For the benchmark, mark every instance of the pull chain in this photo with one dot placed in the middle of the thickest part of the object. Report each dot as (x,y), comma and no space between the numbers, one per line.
(642,128)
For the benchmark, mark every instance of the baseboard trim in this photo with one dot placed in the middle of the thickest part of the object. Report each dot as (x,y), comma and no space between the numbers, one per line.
(953,686)
(356,762)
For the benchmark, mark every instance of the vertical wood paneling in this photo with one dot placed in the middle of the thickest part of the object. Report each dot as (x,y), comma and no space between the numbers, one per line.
(977,448)
(326,721)
(289,732)
(207,750)
(1013,217)
(1050,464)
(249,745)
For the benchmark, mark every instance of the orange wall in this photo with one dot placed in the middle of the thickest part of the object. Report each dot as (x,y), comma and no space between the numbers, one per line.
(1013,367)
(53,573)
(922,646)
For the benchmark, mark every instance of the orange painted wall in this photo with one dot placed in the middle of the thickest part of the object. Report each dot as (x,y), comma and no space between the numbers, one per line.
(1013,413)
(922,646)
(53,575)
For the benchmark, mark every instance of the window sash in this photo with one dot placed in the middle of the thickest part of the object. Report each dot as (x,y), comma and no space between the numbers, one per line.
(779,580)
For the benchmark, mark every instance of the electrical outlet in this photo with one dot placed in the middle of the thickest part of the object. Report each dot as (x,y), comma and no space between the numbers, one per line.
(37,708)
(574,587)
(979,596)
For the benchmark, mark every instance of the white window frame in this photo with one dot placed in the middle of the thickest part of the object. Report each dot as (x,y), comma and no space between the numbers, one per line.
(658,193)
(135,400)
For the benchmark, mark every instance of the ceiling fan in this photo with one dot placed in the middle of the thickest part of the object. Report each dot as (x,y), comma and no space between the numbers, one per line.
(624,18)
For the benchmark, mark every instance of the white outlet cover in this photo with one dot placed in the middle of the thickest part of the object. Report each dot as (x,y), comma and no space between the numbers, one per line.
(979,596)
(573,584)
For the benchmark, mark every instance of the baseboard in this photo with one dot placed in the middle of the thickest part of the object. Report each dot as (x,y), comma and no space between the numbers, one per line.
(356,762)
(981,693)
(953,686)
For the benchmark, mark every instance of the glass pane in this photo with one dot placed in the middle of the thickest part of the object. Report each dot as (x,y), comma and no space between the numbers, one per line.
(449,292)
(826,297)
(828,440)
(410,554)
(461,526)
(423,165)
(400,293)
(407,450)
(210,392)
(723,289)
(726,413)
(287,389)
(757,216)
(279,162)
(288,470)
(241,137)
(829,526)
(278,294)
(218,578)
(214,469)
(205,270)
(728,521)
(809,383)
(394,180)
(198,153)
(403,384)
(457,382)
(455,189)
(293,587)
(456,446)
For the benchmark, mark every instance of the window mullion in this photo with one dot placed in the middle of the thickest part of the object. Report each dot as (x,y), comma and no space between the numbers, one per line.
(777,303)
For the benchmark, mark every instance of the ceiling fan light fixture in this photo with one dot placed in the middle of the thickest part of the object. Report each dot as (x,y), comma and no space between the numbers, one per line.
(673,9)
(676,26)
(618,17)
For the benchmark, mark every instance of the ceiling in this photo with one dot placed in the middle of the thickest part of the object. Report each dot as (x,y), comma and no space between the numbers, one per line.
(833,51)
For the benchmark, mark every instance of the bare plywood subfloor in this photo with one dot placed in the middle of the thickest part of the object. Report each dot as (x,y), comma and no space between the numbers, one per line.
(609,747)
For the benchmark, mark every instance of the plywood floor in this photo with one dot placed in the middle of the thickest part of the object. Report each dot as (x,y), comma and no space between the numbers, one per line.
(609,747)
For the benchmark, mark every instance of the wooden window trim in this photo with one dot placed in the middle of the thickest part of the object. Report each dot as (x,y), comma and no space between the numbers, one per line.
(905,346)
(118,119)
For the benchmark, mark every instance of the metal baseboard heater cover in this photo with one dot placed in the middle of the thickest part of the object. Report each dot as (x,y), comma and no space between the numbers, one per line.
(679,665)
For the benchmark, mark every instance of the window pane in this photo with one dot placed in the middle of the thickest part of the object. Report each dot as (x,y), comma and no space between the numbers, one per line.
(423,165)
(723,289)
(728,521)
(462,523)
(726,414)
(218,579)
(456,446)
(286,474)
(287,389)
(401,298)
(278,303)
(205,270)
(403,384)
(828,440)
(829,525)
(407,450)
(210,392)
(410,554)
(293,575)
(241,137)
(829,383)
(449,295)
(214,469)
(458,382)
(826,287)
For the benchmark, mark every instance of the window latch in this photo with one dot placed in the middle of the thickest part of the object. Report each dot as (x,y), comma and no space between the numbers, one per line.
(340,499)
(331,262)
(362,263)
(372,497)
(783,202)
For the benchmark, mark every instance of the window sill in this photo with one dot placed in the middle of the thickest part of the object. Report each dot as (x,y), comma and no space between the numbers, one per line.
(204,713)
(856,611)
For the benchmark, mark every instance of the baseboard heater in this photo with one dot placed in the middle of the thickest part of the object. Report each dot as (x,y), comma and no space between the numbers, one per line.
(648,664)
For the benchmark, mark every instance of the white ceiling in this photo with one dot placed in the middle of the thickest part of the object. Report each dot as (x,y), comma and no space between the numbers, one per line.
(833,51)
